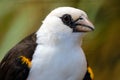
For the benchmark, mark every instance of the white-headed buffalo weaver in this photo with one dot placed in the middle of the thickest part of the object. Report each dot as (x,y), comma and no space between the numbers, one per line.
(53,52)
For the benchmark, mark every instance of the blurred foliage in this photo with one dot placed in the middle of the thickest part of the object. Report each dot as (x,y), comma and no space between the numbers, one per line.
(19,18)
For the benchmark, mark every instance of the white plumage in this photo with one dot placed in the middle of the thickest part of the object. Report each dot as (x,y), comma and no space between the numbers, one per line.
(58,55)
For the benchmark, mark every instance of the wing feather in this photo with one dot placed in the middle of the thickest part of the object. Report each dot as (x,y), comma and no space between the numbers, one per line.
(89,74)
(9,67)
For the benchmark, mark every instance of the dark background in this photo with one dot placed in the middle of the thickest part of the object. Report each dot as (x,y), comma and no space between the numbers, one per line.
(19,18)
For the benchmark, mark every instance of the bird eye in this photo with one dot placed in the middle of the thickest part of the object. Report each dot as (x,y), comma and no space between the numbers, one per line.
(81,18)
(66,18)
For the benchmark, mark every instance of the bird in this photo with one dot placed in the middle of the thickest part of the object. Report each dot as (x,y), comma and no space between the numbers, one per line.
(53,52)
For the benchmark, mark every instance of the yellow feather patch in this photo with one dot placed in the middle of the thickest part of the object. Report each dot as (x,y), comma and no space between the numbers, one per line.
(25,61)
(90,72)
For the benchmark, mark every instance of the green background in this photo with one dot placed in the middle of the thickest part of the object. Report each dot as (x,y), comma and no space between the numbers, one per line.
(19,18)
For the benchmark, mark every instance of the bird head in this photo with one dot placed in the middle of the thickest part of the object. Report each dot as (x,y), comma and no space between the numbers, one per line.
(66,22)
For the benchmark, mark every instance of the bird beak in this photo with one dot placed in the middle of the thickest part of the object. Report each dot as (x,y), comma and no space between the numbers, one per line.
(84,25)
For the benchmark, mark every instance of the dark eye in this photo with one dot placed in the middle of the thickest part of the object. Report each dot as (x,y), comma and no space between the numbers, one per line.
(81,18)
(66,18)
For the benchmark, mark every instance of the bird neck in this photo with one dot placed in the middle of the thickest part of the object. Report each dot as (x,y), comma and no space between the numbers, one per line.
(54,39)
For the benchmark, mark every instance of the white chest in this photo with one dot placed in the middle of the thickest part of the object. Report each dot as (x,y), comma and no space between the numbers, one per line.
(57,64)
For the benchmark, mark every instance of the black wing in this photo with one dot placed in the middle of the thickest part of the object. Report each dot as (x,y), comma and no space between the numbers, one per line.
(89,74)
(10,69)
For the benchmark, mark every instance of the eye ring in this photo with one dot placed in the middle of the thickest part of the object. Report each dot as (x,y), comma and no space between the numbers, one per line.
(66,18)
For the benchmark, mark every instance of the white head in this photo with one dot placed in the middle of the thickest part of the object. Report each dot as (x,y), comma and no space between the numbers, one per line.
(64,24)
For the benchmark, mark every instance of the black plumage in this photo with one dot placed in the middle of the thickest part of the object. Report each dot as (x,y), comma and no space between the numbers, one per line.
(10,67)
